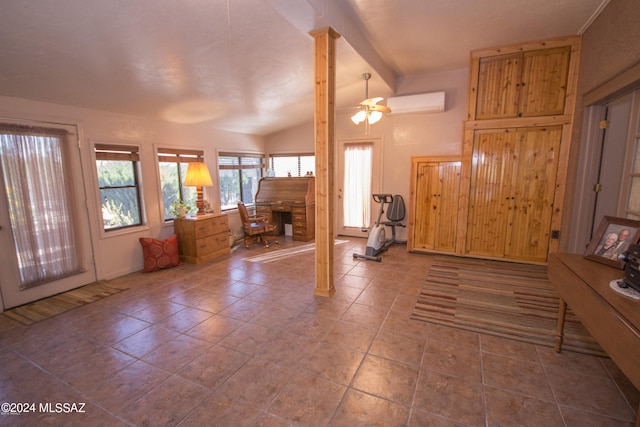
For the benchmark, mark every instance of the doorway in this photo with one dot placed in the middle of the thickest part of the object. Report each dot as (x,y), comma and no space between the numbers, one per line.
(44,226)
(359,176)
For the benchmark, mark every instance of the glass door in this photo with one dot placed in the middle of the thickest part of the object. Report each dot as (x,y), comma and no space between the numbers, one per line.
(44,230)
(359,176)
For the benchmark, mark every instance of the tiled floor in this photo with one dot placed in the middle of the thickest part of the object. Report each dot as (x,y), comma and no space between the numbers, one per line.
(238,342)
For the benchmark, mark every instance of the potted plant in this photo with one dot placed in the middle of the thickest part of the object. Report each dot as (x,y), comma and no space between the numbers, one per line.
(179,208)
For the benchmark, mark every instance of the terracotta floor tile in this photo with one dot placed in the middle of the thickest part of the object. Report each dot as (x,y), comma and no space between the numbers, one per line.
(185,319)
(167,404)
(145,341)
(353,335)
(451,359)
(257,383)
(396,346)
(214,366)
(214,328)
(127,385)
(577,418)
(451,397)
(287,349)
(509,348)
(238,342)
(505,408)
(388,379)
(218,410)
(516,375)
(249,338)
(177,353)
(338,364)
(157,311)
(244,310)
(362,409)
(307,400)
(588,392)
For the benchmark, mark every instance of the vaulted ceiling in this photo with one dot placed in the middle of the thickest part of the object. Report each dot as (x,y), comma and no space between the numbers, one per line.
(247,65)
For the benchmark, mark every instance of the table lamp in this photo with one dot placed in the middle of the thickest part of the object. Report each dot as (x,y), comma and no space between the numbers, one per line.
(198,176)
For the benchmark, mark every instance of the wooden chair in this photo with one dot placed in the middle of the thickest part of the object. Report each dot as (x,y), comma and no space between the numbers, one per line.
(255,227)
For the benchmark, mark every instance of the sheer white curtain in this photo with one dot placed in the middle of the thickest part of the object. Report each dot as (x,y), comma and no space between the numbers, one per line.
(32,163)
(358,160)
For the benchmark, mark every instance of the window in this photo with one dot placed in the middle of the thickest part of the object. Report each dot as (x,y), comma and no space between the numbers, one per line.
(239,176)
(292,164)
(118,181)
(172,165)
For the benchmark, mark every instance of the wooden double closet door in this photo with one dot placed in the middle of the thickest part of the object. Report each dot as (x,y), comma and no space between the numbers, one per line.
(511,192)
(498,203)
(503,198)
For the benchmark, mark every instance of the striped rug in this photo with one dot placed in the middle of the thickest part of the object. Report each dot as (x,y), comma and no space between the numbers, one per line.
(37,311)
(510,300)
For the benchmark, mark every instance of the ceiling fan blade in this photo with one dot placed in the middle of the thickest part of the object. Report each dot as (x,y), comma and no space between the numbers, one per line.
(381,108)
(371,101)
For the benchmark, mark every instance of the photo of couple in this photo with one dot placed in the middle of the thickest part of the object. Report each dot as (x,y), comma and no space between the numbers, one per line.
(612,239)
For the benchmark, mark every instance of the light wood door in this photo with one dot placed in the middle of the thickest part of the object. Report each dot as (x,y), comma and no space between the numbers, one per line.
(544,82)
(532,83)
(490,198)
(512,190)
(436,193)
(499,86)
(533,192)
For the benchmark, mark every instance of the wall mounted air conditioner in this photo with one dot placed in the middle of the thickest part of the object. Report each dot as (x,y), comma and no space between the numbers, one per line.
(423,103)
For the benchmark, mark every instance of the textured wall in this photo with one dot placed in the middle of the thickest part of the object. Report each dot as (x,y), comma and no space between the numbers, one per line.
(611,44)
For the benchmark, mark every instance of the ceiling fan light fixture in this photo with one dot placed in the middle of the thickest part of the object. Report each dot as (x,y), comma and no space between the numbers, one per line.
(369,112)
(359,117)
(374,117)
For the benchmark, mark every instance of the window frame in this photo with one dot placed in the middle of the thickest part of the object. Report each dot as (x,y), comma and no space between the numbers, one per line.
(178,156)
(299,155)
(120,152)
(239,155)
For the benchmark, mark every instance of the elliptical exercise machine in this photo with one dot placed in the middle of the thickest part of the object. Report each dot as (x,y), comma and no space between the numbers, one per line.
(377,241)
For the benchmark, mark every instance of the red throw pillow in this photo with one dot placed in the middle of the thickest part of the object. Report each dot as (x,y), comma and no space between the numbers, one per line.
(159,254)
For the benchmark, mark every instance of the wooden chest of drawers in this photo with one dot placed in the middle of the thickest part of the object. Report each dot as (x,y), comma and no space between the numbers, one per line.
(302,219)
(202,238)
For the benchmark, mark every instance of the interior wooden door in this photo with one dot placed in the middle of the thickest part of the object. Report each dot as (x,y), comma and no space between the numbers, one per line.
(425,211)
(536,167)
(434,204)
(499,86)
(447,203)
(490,198)
(544,82)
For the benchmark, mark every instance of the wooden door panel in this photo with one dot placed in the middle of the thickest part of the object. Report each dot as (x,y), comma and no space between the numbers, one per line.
(447,214)
(534,191)
(498,86)
(544,82)
(425,205)
(490,197)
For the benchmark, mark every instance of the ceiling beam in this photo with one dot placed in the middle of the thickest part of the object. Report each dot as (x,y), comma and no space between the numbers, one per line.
(311,14)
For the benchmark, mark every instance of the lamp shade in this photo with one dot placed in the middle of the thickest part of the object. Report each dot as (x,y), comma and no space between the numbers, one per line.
(198,175)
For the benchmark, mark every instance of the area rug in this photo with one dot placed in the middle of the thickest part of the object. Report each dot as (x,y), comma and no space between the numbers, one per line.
(505,299)
(46,308)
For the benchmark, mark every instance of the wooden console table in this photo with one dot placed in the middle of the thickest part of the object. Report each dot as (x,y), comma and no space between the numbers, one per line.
(612,319)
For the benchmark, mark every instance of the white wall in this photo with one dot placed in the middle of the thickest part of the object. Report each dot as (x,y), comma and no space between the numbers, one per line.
(119,253)
(404,135)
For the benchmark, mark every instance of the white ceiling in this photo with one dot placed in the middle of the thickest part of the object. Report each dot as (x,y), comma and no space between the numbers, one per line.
(247,65)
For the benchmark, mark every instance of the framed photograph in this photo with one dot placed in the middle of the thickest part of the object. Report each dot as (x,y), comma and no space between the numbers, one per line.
(612,239)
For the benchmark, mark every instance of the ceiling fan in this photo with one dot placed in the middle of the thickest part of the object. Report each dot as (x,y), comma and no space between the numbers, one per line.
(370,112)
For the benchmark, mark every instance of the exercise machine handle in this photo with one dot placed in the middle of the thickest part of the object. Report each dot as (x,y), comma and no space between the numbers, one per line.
(382,198)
